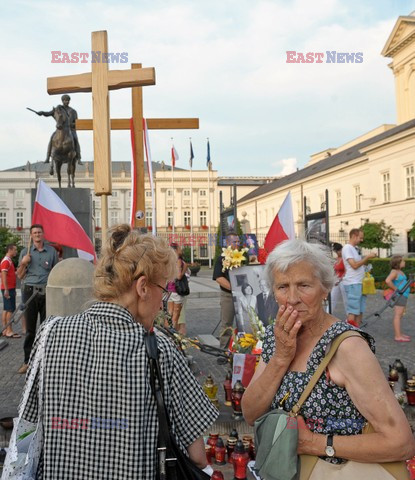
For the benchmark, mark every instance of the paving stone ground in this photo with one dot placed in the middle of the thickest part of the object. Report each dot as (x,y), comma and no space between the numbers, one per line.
(202,316)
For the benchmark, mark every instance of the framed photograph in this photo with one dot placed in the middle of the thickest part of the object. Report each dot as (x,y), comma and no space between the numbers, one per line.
(251,296)
(249,240)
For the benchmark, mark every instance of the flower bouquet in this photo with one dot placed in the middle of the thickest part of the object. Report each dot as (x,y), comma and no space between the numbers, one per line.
(233,258)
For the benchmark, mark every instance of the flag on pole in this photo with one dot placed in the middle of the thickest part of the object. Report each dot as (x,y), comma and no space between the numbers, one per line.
(133,206)
(59,223)
(174,156)
(282,227)
(150,175)
(191,156)
(208,155)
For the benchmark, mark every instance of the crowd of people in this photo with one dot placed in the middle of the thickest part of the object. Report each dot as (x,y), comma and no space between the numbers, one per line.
(95,365)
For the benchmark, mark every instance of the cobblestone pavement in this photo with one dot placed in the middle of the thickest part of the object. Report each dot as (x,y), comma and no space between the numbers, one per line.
(202,317)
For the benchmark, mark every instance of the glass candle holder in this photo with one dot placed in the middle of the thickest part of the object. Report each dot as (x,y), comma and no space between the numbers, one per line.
(220,452)
(230,447)
(240,459)
(211,441)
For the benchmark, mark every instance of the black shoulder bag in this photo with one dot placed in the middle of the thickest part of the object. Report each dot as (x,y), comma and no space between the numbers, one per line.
(182,286)
(173,464)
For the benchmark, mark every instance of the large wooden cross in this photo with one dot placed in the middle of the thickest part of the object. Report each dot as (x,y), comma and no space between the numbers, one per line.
(152,124)
(99,82)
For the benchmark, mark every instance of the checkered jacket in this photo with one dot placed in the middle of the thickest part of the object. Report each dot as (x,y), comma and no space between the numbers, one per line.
(99,414)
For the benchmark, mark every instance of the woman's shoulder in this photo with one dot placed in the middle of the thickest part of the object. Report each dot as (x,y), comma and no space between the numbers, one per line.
(340,327)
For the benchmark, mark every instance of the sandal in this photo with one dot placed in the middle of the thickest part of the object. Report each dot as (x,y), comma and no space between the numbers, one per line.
(13,335)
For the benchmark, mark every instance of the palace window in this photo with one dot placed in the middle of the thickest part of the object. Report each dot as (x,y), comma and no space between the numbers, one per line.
(202,218)
(169,219)
(339,201)
(3,219)
(148,193)
(186,218)
(410,181)
(19,194)
(357,198)
(19,219)
(202,193)
(186,193)
(114,219)
(149,218)
(169,193)
(386,187)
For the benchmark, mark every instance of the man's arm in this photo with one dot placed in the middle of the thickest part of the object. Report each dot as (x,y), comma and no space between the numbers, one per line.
(357,264)
(5,285)
(24,261)
(223,282)
(45,114)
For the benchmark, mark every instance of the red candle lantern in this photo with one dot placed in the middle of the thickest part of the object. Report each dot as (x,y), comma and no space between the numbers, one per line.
(227,385)
(410,391)
(217,475)
(220,452)
(240,459)
(230,447)
(211,441)
(237,394)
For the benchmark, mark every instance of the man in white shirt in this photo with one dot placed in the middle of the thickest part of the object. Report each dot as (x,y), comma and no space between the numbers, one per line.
(352,280)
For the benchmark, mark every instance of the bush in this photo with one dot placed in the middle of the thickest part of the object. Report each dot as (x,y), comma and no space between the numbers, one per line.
(6,237)
(381,269)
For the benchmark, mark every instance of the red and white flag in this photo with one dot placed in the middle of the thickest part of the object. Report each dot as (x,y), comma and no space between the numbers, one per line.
(59,223)
(282,227)
(243,368)
(174,156)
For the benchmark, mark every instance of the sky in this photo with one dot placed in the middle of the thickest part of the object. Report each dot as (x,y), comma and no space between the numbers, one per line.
(223,61)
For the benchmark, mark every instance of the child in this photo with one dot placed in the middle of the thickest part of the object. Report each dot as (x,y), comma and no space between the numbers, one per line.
(396,280)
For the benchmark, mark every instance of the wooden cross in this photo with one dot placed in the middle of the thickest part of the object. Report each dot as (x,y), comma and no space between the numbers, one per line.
(99,82)
(152,124)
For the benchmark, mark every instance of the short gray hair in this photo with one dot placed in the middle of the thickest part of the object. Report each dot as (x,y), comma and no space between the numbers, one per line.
(291,252)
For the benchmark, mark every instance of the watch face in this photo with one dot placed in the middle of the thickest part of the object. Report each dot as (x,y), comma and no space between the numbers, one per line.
(330,451)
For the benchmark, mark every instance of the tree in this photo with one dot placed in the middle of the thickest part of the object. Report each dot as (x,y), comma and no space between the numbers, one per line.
(411,232)
(6,237)
(378,235)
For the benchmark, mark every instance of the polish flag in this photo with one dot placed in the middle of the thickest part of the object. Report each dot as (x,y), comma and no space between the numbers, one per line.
(59,223)
(282,227)
(243,368)
(174,156)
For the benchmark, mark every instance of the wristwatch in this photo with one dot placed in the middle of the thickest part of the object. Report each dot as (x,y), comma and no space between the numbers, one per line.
(330,452)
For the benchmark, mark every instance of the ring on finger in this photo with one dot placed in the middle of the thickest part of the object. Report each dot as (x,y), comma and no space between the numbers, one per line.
(286,331)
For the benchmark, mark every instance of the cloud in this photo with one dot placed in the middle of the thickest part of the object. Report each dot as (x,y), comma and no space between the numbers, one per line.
(285,166)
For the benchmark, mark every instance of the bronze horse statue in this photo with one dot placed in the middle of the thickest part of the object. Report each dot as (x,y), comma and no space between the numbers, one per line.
(63,146)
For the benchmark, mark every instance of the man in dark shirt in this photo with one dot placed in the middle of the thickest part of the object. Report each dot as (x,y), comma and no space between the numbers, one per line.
(267,307)
(227,310)
(34,267)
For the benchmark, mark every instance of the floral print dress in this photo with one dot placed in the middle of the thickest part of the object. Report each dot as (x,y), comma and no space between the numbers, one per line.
(329,408)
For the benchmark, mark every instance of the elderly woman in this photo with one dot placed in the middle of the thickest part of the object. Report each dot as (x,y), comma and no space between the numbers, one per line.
(99,414)
(353,388)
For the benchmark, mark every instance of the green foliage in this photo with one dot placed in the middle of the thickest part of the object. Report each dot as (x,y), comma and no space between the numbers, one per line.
(381,268)
(6,237)
(378,235)
(411,232)
(186,254)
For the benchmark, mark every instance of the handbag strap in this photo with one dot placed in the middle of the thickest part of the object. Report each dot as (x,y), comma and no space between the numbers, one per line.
(323,365)
(165,451)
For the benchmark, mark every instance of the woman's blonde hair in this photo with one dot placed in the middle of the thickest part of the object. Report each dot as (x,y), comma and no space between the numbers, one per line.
(126,256)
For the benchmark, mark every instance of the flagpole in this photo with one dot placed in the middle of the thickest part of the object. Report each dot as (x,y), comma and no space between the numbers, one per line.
(191,202)
(209,216)
(172,180)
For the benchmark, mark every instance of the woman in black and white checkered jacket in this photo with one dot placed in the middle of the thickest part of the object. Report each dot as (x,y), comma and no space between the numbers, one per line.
(99,415)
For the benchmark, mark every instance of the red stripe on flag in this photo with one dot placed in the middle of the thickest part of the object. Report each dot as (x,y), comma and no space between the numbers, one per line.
(275,235)
(61,228)
(133,176)
(249,369)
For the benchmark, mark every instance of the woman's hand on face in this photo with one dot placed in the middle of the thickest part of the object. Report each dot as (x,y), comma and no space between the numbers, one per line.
(286,329)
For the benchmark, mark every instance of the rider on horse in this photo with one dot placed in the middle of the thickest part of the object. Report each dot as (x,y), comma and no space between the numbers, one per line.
(72,116)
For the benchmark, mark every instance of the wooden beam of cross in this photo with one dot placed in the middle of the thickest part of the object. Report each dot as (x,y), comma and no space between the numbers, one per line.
(99,82)
(152,124)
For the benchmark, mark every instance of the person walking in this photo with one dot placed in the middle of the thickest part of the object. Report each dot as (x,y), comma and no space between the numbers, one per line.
(396,281)
(177,302)
(338,289)
(352,280)
(35,266)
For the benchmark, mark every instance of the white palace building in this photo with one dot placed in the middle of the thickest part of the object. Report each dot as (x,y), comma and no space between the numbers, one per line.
(370,178)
